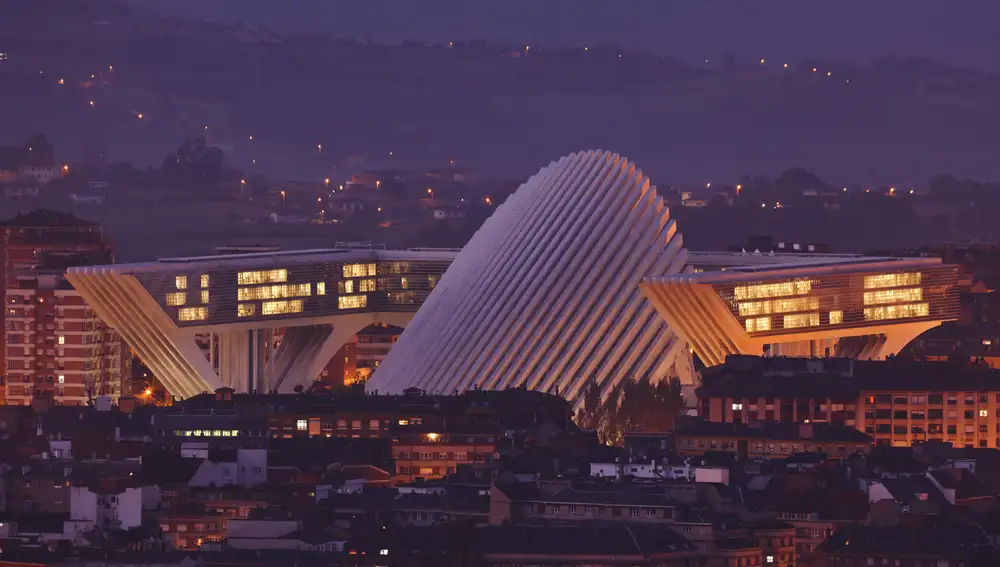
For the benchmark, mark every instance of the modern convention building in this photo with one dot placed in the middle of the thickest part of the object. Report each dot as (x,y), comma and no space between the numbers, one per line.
(257,321)
(806,306)
(581,274)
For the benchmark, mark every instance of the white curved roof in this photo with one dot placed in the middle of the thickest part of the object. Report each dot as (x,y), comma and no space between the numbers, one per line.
(546,294)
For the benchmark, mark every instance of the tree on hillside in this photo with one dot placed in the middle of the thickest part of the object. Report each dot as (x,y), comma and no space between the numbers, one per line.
(195,163)
(794,180)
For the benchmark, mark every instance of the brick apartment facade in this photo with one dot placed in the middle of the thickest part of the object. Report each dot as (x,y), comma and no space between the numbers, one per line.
(899,403)
(54,343)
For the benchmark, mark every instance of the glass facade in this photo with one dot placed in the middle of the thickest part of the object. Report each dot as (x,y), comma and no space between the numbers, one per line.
(312,288)
(773,306)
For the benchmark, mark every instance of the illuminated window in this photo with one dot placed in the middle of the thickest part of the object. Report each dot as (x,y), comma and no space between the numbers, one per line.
(192,314)
(274,291)
(755,308)
(62,340)
(801,320)
(402,298)
(281,307)
(320,288)
(346,286)
(836,317)
(359,270)
(984,413)
(181,282)
(778,306)
(301,424)
(885,312)
(403,283)
(176,298)
(204,296)
(893,296)
(763,291)
(204,280)
(366,286)
(246,309)
(892,280)
(758,324)
(352,302)
(262,277)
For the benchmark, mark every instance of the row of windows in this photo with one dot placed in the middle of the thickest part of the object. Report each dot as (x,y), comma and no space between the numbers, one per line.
(352,301)
(359,270)
(192,314)
(181,282)
(886,312)
(437,456)
(274,292)
(363,286)
(282,307)
(206,432)
(933,399)
(930,414)
(892,280)
(934,429)
(801,320)
(262,277)
(426,471)
(758,324)
(182,528)
(572,510)
(178,298)
(893,296)
(303,424)
(778,306)
(764,291)
(758,446)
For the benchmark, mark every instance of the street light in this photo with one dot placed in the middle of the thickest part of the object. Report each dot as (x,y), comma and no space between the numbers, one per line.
(282,197)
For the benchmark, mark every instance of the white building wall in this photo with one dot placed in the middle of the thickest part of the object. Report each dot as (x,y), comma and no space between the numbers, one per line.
(126,508)
(252,467)
(546,294)
(215,474)
(83,505)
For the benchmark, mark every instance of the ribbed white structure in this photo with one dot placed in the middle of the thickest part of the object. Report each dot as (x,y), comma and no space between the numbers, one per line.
(546,294)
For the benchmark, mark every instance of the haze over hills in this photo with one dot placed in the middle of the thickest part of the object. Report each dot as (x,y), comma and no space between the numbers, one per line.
(491,107)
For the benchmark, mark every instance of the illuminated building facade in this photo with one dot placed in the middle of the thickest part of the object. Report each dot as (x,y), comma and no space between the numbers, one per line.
(546,294)
(581,275)
(268,321)
(854,307)
(54,344)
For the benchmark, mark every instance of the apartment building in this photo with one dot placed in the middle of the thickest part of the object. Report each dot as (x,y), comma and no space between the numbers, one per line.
(898,402)
(54,342)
